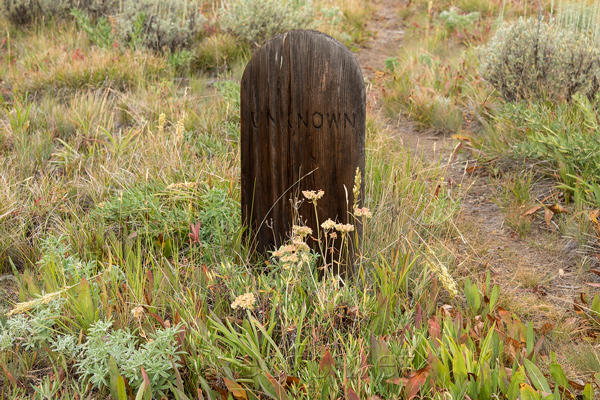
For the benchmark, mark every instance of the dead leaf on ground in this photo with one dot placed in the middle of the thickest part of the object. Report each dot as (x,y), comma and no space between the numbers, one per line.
(595,270)
(547,327)
(558,209)
(548,216)
(532,210)
(593,284)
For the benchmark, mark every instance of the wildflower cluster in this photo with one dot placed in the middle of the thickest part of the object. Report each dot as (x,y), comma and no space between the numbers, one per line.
(245,301)
(363,212)
(301,231)
(344,228)
(313,196)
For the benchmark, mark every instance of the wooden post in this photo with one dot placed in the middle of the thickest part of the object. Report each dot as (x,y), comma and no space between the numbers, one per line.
(303,114)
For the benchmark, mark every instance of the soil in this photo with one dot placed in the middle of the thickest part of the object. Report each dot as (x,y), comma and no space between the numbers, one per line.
(540,273)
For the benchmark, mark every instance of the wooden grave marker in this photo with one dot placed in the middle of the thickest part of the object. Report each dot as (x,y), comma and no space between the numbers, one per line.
(303,110)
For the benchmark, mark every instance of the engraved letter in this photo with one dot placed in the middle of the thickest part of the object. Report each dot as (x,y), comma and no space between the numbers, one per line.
(320,124)
(333,119)
(346,118)
(302,119)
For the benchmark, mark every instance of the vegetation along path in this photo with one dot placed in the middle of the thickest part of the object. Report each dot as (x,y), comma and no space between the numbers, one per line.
(507,224)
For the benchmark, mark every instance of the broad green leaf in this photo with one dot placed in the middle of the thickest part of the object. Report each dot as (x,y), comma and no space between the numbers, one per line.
(494,296)
(140,393)
(121,388)
(536,376)
(517,379)
(588,392)
(458,366)
(558,374)
(113,371)
(530,338)
(527,392)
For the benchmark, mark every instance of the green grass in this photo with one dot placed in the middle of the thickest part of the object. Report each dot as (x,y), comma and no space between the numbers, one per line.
(119,221)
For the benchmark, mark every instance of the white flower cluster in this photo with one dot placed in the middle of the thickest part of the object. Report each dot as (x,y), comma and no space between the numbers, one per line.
(245,301)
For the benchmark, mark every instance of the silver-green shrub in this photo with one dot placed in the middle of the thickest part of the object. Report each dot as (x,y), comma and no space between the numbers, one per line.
(256,21)
(538,59)
(157,356)
(160,25)
(23,12)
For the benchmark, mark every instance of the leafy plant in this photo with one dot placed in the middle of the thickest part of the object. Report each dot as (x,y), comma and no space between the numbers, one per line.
(453,20)
(255,21)
(106,349)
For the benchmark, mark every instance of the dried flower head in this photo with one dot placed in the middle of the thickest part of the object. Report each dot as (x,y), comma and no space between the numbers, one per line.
(333,235)
(363,212)
(313,196)
(300,245)
(327,225)
(344,228)
(301,231)
(245,301)
(137,312)
(292,258)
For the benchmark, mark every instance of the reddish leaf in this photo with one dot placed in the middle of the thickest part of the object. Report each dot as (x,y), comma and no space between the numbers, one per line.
(558,209)
(546,328)
(462,138)
(415,382)
(437,191)
(327,363)
(145,376)
(595,270)
(435,331)
(159,319)
(351,395)
(593,284)
(279,390)
(237,390)
(11,378)
(578,309)
(419,316)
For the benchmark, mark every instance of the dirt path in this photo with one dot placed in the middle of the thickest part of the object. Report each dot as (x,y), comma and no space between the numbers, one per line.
(540,273)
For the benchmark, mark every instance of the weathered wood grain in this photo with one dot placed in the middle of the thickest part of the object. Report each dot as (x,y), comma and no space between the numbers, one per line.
(303,128)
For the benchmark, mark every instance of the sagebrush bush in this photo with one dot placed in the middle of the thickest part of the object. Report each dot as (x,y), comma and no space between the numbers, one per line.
(23,12)
(157,356)
(256,21)
(160,25)
(154,24)
(537,59)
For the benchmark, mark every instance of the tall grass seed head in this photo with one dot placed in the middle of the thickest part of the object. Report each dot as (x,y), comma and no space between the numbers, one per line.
(357,186)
